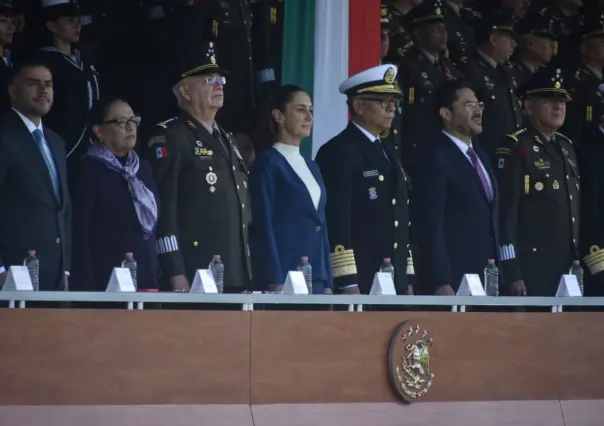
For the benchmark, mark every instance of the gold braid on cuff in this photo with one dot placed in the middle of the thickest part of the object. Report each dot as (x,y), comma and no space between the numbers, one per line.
(594,260)
(343,262)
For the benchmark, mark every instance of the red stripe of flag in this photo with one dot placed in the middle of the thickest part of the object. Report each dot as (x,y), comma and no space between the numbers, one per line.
(363,35)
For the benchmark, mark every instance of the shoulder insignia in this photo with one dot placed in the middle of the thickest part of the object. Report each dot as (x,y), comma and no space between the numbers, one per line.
(343,262)
(164,124)
(515,135)
(564,138)
(157,140)
(594,260)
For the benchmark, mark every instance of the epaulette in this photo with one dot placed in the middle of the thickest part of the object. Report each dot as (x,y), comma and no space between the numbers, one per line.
(560,136)
(164,124)
(515,135)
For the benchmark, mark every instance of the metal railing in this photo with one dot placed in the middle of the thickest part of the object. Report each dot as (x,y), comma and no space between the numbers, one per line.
(248,301)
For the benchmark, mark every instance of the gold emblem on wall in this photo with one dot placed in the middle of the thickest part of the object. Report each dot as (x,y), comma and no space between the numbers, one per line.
(409,362)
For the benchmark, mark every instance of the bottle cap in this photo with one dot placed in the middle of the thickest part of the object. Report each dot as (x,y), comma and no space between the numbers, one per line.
(216,257)
(576,262)
(31,252)
(129,254)
(386,260)
(492,261)
(305,258)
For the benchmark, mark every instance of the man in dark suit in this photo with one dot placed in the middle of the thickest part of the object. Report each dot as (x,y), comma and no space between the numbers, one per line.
(367,212)
(455,204)
(201,180)
(539,182)
(36,208)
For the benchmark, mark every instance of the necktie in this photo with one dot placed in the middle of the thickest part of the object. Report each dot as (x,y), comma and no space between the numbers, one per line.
(483,179)
(379,143)
(48,160)
(218,136)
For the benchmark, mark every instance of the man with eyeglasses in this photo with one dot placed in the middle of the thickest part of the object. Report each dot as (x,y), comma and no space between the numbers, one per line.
(367,205)
(455,203)
(201,180)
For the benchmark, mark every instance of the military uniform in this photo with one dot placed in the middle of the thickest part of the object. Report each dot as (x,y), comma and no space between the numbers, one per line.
(539,193)
(367,211)
(495,85)
(585,109)
(535,25)
(250,62)
(202,185)
(460,34)
(590,155)
(420,74)
(399,31)
(565,28)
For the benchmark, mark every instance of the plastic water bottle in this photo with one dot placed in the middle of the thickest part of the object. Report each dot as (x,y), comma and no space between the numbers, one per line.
(217,269)
(387,267)
(491,279)
(577,271)
(130,263)
(33,266)
(306,268)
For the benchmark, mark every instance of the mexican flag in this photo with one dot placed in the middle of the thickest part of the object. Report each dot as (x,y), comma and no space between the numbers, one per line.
(325,42)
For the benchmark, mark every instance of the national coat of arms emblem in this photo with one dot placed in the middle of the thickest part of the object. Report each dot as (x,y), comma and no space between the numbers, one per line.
(409,362)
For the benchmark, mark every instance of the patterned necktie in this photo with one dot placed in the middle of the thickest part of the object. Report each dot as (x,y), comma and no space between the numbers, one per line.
(48,160)
(483,179)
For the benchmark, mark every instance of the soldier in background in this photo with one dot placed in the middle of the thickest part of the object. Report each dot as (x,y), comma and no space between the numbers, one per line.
(539,192)
(460,34)
(244,49)
(585,108)
(591,155)
(493,78)
(7,31)
(395,13)
(567,20)
(535,48)
(422,69)
(201,180)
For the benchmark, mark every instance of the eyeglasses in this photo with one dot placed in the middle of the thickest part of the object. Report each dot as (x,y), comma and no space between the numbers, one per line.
(216,79)
(470,106)
(122,122)
(385,102)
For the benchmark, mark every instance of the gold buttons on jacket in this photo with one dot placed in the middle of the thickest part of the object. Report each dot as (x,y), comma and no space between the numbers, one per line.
(195,244)
(395,245)
(396,223)
(318,229)
(381,178)
(394,201)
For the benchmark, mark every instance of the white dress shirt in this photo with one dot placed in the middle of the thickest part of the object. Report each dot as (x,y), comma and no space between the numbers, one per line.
(298,163)
(463,147)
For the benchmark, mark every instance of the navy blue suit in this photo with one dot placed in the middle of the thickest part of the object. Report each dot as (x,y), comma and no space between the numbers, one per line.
(105,227)
(286,225)
(455,225)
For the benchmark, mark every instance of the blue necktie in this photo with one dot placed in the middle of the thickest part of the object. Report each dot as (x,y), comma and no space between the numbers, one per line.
(50,164)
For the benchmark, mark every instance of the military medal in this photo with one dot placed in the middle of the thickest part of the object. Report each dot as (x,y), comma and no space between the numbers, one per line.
(556,185)
(527,183)
(539,186)
(211,179)
(535,148)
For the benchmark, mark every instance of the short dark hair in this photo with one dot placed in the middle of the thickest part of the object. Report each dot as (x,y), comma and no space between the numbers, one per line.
(30,62)
(446,94)
(100,109)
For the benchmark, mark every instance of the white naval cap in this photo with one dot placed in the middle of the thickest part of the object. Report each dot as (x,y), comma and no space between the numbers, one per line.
(380,79)
(48,3)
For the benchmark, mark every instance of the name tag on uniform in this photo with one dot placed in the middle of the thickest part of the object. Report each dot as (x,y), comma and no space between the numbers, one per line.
(543,164)
(203,153)
(370,173)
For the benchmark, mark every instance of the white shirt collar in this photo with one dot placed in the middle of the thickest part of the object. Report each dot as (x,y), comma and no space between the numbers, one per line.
(208,127)
(460,144)
(366,133)
(31,126)
(602,129)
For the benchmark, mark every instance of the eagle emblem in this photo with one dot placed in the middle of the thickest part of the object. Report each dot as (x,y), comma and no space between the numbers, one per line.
(409,362)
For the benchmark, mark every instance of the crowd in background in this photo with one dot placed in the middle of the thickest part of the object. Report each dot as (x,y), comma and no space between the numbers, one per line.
(146,135)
